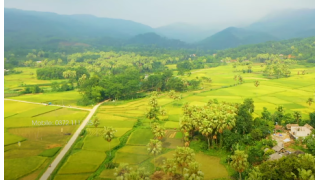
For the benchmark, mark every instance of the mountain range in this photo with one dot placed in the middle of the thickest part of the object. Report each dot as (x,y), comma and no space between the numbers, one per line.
(32,29)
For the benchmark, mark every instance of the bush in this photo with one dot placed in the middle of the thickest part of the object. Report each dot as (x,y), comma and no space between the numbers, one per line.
(269,152)
(50,152)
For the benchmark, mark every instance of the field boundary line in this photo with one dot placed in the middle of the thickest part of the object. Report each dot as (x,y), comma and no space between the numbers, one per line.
(47,112)
(48,105)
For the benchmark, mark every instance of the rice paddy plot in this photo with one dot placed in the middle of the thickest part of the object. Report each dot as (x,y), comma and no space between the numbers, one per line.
(107,174)
(171,125)
(72,176)
(47,114)
(58,98)
(117,123)
(140,137)
(83,161)
(97,143)
(131,155)
(18,167)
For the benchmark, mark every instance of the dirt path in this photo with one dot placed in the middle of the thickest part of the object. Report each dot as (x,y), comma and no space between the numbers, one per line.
(66,148)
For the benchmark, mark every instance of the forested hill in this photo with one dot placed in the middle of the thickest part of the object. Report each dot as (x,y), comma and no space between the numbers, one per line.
(233,37)
(31,29)
(300,49)
(27,30)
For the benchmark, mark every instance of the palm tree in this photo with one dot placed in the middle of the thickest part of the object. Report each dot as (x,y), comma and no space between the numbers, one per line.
(239,161)
(240,79)
(109,135)
(169,167)
(256,83)
(154,147)
(163,112)
(96,123)
(255,174)
(183,156)
(297,116)
(205,129)
(122,172)
(280,108)
(158,131)
(310,101)
(139,174)
(193,172)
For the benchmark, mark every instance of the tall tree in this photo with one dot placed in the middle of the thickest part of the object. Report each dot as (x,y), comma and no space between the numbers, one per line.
(154,147)
(122,172)
(96,123)
(108,135)
(310,101)
(205,129)
(297,116)
(239,161)
(183,156)
(193,172)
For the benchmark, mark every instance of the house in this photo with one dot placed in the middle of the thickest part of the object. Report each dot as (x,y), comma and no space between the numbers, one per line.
(232,61)
(38,61)
(300,131)
(288,126)
(281,56)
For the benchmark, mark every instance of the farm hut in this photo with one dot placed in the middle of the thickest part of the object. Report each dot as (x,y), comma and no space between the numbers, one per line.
(288,126)
(300,131)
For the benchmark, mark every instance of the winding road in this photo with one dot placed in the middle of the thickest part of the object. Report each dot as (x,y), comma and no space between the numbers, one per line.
(66,148)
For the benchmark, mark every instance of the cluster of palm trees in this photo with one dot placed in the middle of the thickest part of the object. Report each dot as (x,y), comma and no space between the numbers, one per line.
(172,95)
(210,120)
(278,68)
(112,61)
(182,164)
(238,78)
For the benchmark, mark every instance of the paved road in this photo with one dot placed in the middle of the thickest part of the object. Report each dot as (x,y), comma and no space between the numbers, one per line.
(66,148)
(48,105)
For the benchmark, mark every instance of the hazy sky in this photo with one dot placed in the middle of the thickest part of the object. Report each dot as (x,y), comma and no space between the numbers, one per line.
(157,13)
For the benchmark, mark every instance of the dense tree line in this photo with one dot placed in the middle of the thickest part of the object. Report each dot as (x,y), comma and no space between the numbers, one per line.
(50,73)
(300,49)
